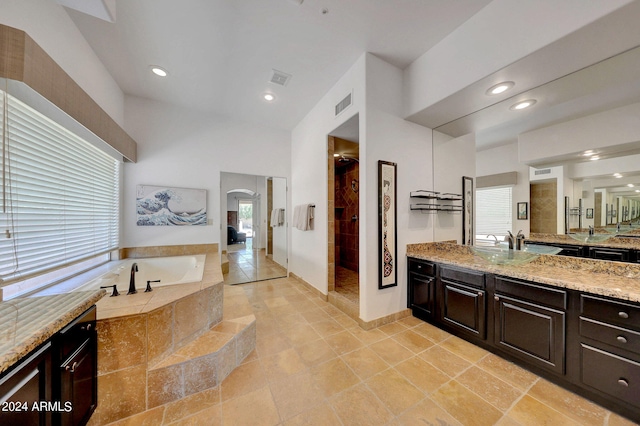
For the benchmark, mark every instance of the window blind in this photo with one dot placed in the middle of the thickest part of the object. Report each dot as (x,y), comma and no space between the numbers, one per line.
(60,195)
(494,211)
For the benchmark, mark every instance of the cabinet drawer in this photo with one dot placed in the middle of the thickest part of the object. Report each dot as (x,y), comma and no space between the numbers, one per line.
(611,374)
(77,332)
(619,255)
(619,313)
(465,276)
(551,297)
(422,268)
(615,336)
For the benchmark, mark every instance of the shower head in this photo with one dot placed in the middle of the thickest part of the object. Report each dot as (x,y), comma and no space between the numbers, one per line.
(344,159)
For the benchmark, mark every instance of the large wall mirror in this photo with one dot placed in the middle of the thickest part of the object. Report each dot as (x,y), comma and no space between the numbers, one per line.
(254,227)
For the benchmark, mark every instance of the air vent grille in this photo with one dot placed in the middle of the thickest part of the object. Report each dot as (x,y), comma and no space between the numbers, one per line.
(343,104)
(280,78)
(542,172)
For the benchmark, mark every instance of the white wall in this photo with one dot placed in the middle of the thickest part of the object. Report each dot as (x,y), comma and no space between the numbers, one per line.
(388,137)
(504,159)
(49,25)
(452,159)
(188,149)
(309,180)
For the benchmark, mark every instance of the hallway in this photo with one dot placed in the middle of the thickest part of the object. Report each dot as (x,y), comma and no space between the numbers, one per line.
(248,265)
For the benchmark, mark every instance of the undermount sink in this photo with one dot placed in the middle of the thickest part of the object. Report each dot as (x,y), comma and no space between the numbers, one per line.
(594,238)
(500,255)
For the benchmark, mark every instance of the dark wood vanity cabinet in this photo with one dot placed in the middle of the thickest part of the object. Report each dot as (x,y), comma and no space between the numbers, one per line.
(615,254)
(422,284)
(60,377)
(463,301)
(26,384)
(530,322)
(610,348)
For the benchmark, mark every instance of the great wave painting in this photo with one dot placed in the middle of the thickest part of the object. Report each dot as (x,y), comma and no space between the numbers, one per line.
(163,206)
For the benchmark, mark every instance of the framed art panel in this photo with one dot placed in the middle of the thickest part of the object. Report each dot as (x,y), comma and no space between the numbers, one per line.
(468,210)
(166,206)
(523,211)
(589,213)
(387,213)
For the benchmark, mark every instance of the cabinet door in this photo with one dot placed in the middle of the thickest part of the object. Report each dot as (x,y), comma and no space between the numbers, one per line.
(26,384)
(610,254)
(529,331)
(78,385)
(421,294)
(464,308)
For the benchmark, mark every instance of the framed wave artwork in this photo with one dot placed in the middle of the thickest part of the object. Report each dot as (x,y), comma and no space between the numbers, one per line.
(387,239)
(166,206)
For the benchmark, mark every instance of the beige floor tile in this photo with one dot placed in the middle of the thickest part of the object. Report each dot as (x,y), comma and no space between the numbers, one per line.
(617,420)
(359,406)
(431,332)
(321,415)
(271,344)
(466,406)
(327,327)
(191,404)
(300,334)
(464,349)
(245,378)
(316,352)
(391,351)
(151,417)
(497,392)
(316,314)
(508,371)
(394,390)
(334,376)
(343,342)
(531,412)
(579,409)
(392,328)
(368,336)
(365,363)
(282,364)
(296,394)
(412,341)
(209,417)
(423,375)
(254,408)
(446,361)
(427,413)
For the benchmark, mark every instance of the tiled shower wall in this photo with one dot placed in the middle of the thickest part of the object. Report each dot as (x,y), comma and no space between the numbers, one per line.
(346,209)
(544,208)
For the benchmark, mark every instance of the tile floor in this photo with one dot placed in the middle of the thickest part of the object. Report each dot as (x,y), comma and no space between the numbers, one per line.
(248,265)
(347,284)
(313,365)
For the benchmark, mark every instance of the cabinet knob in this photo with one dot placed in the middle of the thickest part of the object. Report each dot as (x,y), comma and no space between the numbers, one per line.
(480,294)
(86,327)
(496,298)
(623,314)
(621,339)
(623,382)
(419,266)
(71,368)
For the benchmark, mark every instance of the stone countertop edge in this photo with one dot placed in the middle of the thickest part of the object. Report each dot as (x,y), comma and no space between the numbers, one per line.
(613,242)
(599,277)
(26,323)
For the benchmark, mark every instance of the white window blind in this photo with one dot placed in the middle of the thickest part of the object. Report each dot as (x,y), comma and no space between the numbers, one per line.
(60,195)
(493,211)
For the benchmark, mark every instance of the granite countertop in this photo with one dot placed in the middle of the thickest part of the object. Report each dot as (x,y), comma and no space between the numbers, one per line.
(613,242)
(614,279)
(25,323)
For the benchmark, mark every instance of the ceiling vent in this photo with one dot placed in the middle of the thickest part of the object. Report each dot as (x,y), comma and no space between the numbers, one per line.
(280,78)
(343,104)
(542,172)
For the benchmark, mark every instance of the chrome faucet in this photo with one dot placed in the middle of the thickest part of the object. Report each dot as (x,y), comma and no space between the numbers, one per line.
(132,280)
(495,238)
(591,230)
(519,240)
(510,239)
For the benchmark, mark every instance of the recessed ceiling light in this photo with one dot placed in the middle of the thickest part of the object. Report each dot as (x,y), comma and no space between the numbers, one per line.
(617,175)
(159,71)
(588,153)
(594,158)
(637,190)
(630,185)
(523,104)
(269,97)
(496,89)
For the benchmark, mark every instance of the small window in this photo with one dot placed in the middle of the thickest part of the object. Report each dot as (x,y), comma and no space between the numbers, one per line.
(493,212)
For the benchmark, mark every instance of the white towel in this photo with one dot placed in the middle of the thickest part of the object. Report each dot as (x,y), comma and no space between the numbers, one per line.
(303,217)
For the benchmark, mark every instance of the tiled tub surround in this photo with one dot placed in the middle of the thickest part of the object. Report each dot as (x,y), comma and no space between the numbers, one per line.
(25,323)
(613,279)
(158,347)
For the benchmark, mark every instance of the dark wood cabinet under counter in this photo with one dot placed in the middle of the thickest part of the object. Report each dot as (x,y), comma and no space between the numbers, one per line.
(421,288)
(463,301)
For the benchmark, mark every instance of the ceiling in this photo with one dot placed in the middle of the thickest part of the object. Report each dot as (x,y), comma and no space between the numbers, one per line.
(220,53)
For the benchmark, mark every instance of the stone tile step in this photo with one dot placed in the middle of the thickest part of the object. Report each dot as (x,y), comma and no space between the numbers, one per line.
(203,363)
(224,264)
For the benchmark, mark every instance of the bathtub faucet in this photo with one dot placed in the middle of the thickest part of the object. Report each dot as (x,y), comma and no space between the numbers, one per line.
(132,280)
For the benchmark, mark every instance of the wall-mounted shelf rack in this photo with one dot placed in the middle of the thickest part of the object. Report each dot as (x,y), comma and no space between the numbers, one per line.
(431,207)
